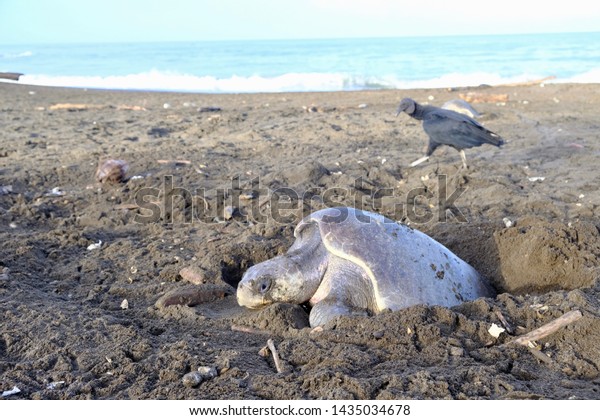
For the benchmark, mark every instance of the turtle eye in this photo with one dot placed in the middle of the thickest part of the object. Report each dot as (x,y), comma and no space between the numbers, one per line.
(264,285)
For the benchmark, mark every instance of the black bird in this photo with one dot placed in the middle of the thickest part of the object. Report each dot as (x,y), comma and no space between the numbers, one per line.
(450,128)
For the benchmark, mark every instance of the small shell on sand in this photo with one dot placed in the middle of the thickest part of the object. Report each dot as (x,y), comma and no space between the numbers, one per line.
(112,171)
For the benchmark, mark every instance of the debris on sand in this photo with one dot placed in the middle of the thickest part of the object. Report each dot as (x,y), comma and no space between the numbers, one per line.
(229,212)
(174,161)
(247,196)
(209,109)
(112,171)
(547,329)
(192,295)
(131,108)
(495,330)
(55,192)
(6,189)
(208,372)
(94,246)
(193,275)
(10,392)
(273,350)
(195,378)
(192,379)
(74,107)
(478,97)
(55,385)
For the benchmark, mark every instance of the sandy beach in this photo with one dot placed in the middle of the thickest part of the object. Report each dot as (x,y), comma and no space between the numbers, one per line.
(217,183)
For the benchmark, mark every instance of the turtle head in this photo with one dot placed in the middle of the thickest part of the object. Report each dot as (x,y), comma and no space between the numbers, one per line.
(407,105)
(277,280)
(290,278)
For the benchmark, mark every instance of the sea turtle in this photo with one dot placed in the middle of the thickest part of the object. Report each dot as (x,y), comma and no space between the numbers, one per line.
(348,261)
(462,107)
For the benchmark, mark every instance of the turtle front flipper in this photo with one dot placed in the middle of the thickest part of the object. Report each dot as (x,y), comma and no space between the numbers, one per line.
(344,290)
(330,308)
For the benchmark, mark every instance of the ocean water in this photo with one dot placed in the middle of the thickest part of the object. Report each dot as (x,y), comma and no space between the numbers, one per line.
(309,65)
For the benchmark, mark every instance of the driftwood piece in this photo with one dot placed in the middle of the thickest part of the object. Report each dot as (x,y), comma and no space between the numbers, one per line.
(480,97)
(529,82)
(547,329)
(10,76)
(131,108)
(74,107)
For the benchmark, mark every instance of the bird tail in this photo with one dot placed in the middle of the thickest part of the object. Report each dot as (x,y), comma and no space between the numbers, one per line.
(496,140)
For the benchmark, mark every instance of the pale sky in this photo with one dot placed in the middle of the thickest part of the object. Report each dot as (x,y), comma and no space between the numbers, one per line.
(59,21)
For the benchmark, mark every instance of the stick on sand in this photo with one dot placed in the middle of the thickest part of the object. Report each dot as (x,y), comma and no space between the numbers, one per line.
(175,161)
(547,329)
(249,330)
(276,359)
(503,320)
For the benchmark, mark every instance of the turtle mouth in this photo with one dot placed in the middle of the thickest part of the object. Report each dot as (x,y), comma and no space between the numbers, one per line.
(246,296)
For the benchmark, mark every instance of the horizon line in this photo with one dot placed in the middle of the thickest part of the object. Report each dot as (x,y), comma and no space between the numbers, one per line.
(332,38)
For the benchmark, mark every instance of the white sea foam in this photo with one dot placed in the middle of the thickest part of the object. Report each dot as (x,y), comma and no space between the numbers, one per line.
(9,56)
(290,82)
(592,76)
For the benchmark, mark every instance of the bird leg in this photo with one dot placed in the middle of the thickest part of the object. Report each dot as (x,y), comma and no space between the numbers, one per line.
(464,159)
(418,161)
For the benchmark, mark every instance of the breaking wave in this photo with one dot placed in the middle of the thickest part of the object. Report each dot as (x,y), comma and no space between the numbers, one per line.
(289,82)
(8,56)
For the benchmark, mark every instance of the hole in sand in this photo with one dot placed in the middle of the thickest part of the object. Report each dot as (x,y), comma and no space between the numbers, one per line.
(533,257)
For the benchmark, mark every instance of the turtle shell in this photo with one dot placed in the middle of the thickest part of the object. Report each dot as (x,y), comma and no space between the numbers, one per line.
(406,266)
(462,107)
